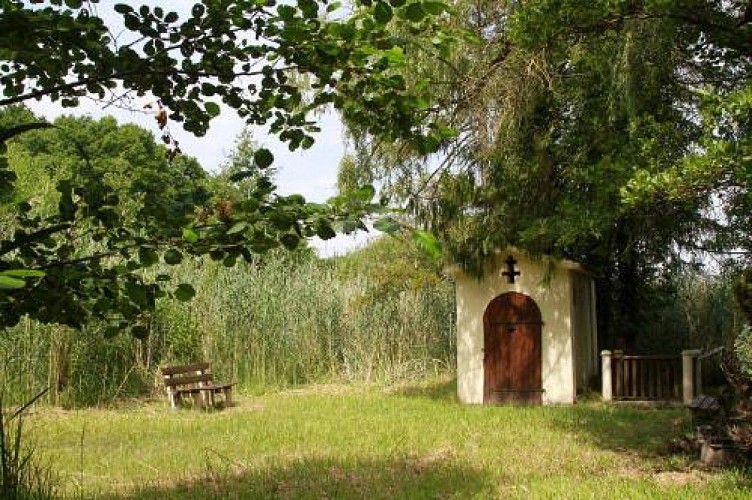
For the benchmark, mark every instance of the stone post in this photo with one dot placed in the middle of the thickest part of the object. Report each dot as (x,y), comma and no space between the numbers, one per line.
(606,384)
(689,361)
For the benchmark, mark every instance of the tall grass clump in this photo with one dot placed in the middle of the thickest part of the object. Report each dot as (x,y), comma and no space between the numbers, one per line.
(80,367)
(293,319)
(22,474)
(691,310)
(381,314)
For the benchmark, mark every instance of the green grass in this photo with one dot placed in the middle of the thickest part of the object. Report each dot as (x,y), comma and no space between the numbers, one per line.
(368,442)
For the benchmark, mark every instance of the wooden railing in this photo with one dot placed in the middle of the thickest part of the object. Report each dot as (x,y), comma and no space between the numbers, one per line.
(646,378)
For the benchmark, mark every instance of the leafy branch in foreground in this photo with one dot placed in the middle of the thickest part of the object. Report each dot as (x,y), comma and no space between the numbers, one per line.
(244,54)
(615,134)
(84,258)
(247,55)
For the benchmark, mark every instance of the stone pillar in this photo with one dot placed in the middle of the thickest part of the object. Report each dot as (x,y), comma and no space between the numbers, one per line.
(606,383)
(689,361)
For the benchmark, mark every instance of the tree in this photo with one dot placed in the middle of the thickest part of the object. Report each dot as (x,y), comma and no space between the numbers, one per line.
(115,196)
(240,165)
(564,108)
(248,55)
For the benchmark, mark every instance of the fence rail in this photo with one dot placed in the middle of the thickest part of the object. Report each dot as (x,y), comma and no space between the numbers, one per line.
(646,378)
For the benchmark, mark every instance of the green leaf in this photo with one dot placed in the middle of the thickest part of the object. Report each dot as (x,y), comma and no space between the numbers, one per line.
(435,8)
(286,12)
(237,227)
(131,22)
(212,108)
(382,12)
(198,10)
(309,8)
(333,6)
(111,332)
(173,257)
(365,193)
(122,8)
(9,283)
(136,293)
(414,12)
(184,292)
(350,226)
(171,17)
(23,273)
(427,242)
(295,199)
(387,225)
(428,144)
(230,260)
(289,240)
(395,55)
(147,256)
(324,229)
(263,158)
(190,235)
(243,174)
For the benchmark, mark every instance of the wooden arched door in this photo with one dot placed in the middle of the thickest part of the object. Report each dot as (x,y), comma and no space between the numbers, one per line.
(512,350)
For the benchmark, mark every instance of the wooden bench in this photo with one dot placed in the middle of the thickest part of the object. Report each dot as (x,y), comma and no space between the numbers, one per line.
(194,380)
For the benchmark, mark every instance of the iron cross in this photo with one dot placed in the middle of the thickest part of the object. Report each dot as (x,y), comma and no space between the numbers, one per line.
(510,273)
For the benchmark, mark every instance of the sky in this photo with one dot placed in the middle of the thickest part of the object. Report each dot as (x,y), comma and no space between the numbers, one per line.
(311,172)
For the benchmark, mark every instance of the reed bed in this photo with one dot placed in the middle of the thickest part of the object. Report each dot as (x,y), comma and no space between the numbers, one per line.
(287,320)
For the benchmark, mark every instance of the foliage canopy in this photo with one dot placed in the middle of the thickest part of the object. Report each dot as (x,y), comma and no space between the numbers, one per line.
(604,132)
(273,63)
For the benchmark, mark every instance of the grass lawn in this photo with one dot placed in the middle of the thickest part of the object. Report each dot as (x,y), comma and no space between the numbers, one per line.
(368,442)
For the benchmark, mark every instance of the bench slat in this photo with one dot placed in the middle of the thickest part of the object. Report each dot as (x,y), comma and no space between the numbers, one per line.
(193,367)
(188,379)
(196,390)
(216,387)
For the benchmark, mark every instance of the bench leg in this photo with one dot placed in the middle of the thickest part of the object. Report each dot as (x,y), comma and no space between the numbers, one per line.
(173,397)
(198,399)
(228,396)
(208,399)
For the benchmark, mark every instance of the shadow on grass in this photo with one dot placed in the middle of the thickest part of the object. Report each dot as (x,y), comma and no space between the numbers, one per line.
(644,431)
(647,433)
(437,390)
(428,477)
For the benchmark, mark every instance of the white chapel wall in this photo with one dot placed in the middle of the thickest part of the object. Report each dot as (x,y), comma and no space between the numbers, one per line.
(550,287)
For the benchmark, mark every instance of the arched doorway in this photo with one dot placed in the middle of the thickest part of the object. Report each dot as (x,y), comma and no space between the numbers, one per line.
(512,350)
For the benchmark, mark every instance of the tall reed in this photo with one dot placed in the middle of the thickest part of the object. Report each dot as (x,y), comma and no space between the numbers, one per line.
(289,319)
(295,320)
(693,310)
